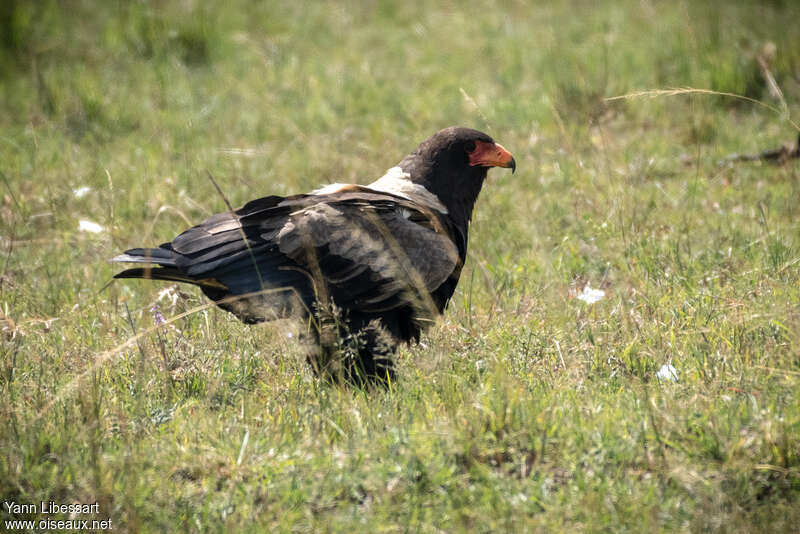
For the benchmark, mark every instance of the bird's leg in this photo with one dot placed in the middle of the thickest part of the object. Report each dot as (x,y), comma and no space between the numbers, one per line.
(348,349)
(326,327)
(370,359)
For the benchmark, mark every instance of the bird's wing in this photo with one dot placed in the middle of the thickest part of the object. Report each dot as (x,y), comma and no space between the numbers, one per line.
(373,251)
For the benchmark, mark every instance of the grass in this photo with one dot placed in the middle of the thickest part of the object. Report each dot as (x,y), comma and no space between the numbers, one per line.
(524,409)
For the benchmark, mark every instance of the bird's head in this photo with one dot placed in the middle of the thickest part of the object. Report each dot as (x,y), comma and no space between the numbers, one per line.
(464,151)
(452,165)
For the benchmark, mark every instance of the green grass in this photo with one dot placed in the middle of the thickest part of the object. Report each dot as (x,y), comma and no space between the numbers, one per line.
(524,408)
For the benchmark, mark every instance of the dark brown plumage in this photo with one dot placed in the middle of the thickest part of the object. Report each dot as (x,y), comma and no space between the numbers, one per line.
(366,266)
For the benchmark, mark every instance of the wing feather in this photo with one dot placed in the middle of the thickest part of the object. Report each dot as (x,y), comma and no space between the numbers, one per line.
(406,260)
(374,251)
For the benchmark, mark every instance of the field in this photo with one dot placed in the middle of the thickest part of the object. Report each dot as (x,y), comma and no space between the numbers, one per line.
(525,408)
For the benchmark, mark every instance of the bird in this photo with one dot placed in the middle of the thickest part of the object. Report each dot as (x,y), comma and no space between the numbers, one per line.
(365,267)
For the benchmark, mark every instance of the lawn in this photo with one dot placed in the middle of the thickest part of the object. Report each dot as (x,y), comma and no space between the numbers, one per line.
(525,408)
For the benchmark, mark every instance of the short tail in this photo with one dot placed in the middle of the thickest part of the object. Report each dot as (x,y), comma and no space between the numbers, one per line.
(159,256)
(161,265)
(170,274)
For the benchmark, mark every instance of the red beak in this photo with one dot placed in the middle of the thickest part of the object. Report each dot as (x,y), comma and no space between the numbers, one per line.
(492,155)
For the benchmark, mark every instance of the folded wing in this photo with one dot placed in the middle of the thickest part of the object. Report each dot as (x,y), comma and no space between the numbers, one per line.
(368,251)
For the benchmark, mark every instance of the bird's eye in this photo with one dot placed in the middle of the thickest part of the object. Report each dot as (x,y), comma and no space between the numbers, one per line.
(469,146)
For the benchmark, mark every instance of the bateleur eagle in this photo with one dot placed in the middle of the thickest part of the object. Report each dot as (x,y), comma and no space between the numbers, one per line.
(366,267)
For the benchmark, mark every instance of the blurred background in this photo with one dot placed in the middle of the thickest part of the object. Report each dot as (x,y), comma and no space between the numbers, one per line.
(527,407)
(275,97)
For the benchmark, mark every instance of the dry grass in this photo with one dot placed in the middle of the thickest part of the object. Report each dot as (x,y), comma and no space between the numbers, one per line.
(524,408)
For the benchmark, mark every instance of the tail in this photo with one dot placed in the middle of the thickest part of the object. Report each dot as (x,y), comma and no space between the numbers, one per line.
(159,256)
(161,265)
(170,274)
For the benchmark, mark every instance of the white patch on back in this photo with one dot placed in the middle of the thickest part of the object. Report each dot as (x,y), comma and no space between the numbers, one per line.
(328,189)
(396,181)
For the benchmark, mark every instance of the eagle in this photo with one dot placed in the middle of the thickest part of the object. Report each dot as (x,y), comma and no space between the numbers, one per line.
(365,267)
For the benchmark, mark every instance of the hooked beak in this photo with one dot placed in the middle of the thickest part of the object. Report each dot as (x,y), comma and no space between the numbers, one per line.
(492,155)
